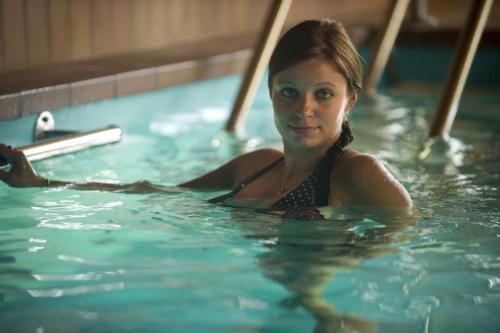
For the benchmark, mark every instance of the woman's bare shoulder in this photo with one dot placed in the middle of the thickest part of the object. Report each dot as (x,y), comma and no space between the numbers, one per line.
(351,168)
(364,180)
(357,162)
(232,172)
(252,162)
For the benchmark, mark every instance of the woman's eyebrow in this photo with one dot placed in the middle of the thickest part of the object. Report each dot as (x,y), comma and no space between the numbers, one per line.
(285,82)
(326,83)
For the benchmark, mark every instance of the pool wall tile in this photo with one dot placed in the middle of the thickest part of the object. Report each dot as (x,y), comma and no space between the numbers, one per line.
(10,106)
(221,64)
(92,90)
(36,101)
(111,86)
(135,82)
(240,61)
(176,74)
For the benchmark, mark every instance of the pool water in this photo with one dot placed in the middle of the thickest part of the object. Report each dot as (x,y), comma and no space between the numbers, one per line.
(87,261)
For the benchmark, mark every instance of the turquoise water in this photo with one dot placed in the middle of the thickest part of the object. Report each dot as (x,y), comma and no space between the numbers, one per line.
(74,261)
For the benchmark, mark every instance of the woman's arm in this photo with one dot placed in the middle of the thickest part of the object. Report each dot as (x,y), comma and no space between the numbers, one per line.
(22,174)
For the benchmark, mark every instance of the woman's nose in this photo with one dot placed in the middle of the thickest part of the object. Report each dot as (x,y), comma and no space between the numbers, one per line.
(306,105)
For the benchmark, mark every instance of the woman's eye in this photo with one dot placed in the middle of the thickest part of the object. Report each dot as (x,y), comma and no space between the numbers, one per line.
(289,92)
(324,94)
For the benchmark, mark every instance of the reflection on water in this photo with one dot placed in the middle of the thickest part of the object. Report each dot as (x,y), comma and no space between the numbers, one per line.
(304,257)
(67,214)
(60,292)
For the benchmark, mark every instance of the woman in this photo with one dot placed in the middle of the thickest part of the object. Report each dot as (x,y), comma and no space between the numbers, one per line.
(314,78)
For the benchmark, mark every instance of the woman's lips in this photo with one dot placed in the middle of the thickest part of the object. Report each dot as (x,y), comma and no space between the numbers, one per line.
(303,130)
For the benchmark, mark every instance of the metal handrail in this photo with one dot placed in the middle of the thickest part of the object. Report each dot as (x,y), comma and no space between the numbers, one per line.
(69,143)
(255,71)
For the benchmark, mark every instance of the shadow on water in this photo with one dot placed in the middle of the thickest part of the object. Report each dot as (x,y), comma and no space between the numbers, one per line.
(304,257)
(8,273)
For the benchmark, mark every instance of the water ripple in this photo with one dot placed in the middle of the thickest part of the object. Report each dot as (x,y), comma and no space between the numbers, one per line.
(480,261)
(79,260)
(60,292)
(74,206)
(89,276)
(78,225)
(57,214)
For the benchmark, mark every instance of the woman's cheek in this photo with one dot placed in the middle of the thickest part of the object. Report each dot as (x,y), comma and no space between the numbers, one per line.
(279,120)
(279,104)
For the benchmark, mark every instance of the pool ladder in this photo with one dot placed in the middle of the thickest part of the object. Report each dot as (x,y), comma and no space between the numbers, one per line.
(454,84)
(50,142)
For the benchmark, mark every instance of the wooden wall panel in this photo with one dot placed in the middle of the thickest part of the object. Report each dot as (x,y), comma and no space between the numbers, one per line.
(37,32)
(211,19)
(59,31)
(120,19)
(193,20)
(102,19)
(2,49)
(158,32)
(241,14)
(139,24)
(176,21)
(14,35)
(225,17)
(80,21)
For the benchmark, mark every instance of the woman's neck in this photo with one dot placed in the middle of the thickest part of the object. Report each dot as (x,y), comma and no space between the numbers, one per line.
(300,161)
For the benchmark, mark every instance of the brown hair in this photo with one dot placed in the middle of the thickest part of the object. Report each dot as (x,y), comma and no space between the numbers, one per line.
(323,38)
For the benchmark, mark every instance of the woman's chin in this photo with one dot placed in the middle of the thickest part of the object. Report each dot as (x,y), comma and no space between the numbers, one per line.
(305,143)
(308,142)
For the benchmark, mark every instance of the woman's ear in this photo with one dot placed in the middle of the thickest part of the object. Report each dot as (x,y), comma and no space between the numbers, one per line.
(352,101)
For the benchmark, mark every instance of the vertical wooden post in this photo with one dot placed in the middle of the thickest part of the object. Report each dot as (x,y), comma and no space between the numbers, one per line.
(459,70)
(265,45)
(385,43)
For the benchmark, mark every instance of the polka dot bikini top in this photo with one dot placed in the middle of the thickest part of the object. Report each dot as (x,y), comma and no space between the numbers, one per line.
(297,203)
(299,197)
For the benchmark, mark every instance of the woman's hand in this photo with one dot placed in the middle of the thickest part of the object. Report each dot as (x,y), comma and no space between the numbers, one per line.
(21,172)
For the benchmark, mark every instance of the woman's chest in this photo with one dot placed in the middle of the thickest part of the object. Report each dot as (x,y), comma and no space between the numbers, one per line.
(264,186)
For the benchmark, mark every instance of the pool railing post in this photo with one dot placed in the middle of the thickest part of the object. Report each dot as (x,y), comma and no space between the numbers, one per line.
(267,40)
(459,70)
(385,42)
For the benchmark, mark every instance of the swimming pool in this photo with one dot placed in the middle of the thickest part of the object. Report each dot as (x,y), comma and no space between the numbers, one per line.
(76,261)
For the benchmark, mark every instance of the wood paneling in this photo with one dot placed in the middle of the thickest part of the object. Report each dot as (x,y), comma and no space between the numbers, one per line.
(102,20)
(14,35)
(59,31)
(159,23)
(176,23)
(2,48)
(37,31)
(139,27)
(81,23)
(120,19)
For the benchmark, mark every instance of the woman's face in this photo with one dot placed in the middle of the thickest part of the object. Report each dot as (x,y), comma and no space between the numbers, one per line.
(310,100)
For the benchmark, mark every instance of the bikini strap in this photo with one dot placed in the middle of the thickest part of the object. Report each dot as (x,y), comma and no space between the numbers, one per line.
(245,182)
